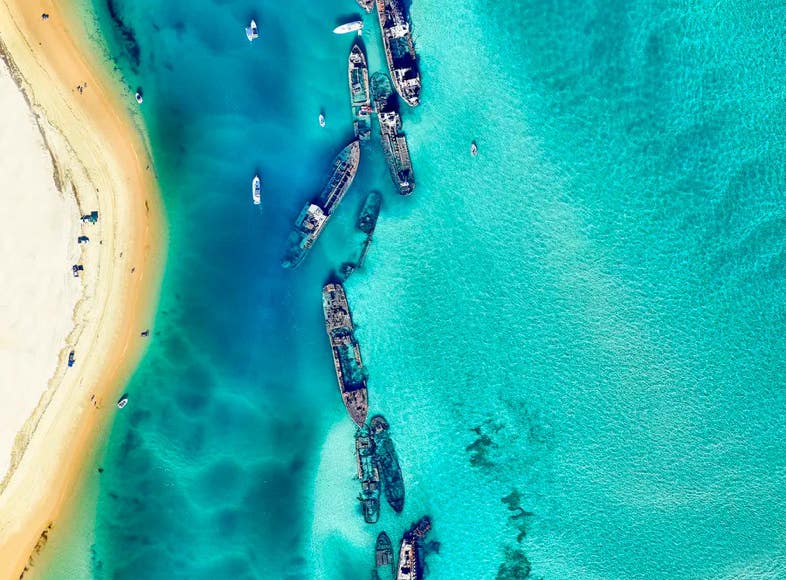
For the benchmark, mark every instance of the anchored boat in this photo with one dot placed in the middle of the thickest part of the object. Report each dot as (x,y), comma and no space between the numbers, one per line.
(399,50)
(357,25)
(256,190)
(316,213)
(252,32)
(359,92)
(350,372)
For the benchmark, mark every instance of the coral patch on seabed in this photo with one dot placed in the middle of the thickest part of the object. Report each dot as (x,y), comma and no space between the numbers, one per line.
(519,519)
(480,449)
(515,567)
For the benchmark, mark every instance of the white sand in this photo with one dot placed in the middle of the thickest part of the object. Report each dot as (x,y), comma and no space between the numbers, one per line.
(102,161)
(38,244)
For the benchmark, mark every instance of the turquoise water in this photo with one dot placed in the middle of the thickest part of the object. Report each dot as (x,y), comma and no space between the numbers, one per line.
(577,336)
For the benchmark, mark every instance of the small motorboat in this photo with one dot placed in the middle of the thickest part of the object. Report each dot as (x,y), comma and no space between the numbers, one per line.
(256,190)
(357,25)
(252,32)
(122,401)
(138,96)
(71,359)
(474,149)
(321,119)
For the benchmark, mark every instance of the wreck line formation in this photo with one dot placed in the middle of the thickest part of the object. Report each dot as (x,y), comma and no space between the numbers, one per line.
(316,213)
(378,468)
(399,49)
(350,373)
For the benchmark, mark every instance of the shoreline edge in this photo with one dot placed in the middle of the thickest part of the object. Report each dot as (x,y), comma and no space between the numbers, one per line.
(101,157)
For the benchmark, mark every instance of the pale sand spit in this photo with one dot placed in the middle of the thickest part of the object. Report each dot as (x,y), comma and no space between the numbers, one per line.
(51,416)
(38,246)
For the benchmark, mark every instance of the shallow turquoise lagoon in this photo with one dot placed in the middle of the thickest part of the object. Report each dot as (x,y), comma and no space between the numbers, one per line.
(577,336)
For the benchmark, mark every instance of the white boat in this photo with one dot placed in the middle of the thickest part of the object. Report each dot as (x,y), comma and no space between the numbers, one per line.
(122,402)
(474,149)
(138,96)
(256,190)
(349,27)
(321,120)
(252,32)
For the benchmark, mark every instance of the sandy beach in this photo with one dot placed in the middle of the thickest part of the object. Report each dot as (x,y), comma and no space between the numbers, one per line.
(37,247)
(69,146)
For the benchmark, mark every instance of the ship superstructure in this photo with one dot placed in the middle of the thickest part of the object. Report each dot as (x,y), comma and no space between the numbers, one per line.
(316,213)
(399,49)
(410,566)
(359,93)
(394,142)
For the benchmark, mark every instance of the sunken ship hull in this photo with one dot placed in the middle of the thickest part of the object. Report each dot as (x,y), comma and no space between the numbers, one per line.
(399,49)
(386,461)
(359,92)
(350,372)
(394,142)
(410,565)
(367,220)
(385,563)
(315,214)
(368,475)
